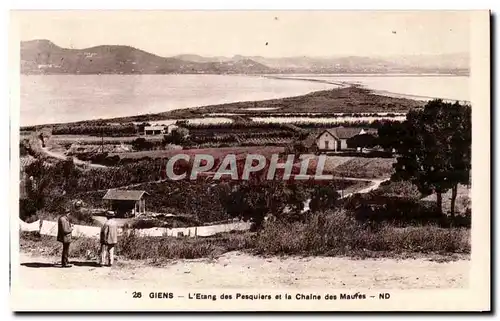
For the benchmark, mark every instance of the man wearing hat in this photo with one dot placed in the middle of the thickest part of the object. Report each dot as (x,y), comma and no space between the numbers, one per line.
(64,230)
(109,238)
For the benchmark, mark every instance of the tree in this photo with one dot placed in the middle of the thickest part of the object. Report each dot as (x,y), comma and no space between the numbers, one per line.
(363,141)
(255,199)
(176,137)
(47,184)
(297,149)
(140,144)
(140,127)
(435,149)
(390,135)
(460,148)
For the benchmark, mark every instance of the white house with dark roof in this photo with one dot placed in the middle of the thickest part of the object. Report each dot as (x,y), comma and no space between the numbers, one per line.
(126,203)
(335,139)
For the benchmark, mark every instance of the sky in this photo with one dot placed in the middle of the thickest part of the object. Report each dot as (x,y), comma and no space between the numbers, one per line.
(263,33)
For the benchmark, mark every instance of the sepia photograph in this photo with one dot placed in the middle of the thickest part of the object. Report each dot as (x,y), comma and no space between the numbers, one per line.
(250,160)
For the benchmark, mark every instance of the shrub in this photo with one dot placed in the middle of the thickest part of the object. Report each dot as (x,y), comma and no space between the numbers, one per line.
(27,209)
(140,144)
(403,189)
(373,209)
(134,247)
(337,233)
(82,217)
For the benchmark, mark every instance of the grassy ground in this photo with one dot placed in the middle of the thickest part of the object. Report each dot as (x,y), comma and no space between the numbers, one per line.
(343,100)
(463,200)
(403,189)
(331,162)
(365,168)
(325,234)
(356,167)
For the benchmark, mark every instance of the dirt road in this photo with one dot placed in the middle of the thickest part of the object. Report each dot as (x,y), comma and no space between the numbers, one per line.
(75,160)
(375,184)
(238,270)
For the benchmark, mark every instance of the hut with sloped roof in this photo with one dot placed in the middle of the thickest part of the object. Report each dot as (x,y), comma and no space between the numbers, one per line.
(126,203)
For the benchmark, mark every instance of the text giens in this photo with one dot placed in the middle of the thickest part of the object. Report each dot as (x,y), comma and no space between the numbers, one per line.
(161,295)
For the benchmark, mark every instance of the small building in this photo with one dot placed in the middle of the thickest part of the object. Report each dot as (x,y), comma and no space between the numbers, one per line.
(126,203)
(154,130)
(335,139)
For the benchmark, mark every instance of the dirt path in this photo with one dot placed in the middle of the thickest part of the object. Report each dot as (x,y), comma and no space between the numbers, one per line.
(238,270)
(75,160)
(375,184)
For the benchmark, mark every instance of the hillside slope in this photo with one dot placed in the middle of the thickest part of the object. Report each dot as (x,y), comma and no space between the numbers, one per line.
(44,57)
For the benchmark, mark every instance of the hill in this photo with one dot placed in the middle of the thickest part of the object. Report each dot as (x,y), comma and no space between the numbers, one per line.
(44,57)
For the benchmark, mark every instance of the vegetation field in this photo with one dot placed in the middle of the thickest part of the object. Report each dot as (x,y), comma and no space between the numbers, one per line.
(365,168)
(342,100)
(356,167)
(87,139)
(325,234)
(217,153)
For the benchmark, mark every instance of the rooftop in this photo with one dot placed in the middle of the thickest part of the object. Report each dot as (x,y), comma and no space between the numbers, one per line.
(123,195)
(349,132)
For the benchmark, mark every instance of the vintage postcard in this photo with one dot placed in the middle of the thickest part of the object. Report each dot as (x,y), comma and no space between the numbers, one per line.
(250,160)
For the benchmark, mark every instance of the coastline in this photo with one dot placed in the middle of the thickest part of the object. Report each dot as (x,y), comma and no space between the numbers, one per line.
(386,93)
(190,112)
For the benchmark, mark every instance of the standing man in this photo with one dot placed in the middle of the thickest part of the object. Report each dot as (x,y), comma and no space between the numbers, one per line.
(64,230)
(109,238)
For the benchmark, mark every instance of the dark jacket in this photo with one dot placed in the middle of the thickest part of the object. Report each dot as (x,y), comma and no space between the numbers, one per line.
(64,229)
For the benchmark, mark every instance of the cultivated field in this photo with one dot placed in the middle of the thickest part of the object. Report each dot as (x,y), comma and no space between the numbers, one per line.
(217,153)
(87,139)
(323,120)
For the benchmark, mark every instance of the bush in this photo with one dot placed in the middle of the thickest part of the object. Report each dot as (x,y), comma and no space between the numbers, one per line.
(27,209)
(80,247)
(374,209)
(403,189)
(133,247)
(337,233)
(143,224)
(82,217)
(140,144)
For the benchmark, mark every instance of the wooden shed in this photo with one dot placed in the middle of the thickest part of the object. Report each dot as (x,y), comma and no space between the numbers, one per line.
(126,203)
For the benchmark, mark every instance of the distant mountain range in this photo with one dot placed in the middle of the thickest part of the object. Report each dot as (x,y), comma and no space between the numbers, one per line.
(44,57)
